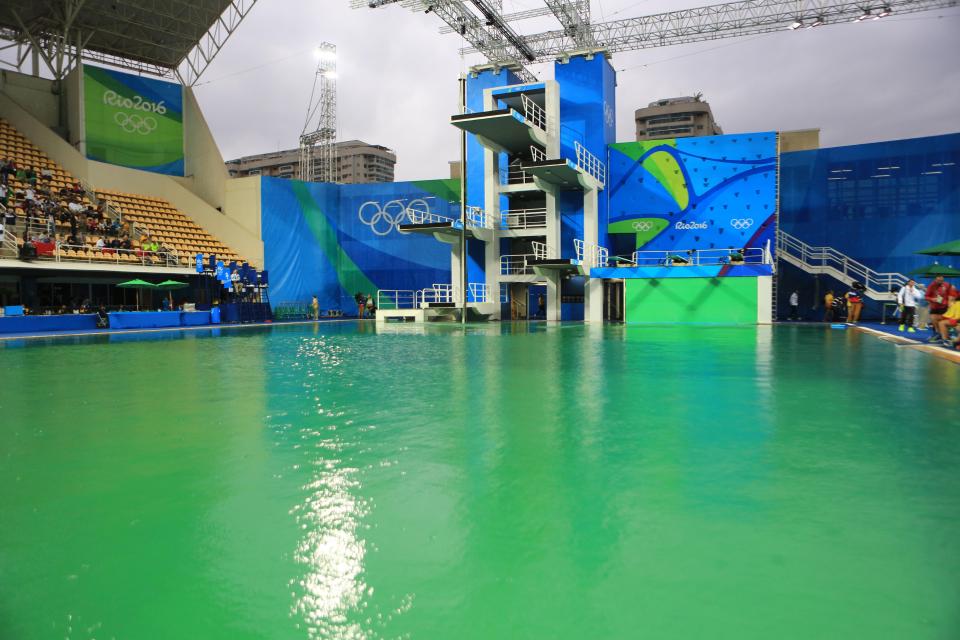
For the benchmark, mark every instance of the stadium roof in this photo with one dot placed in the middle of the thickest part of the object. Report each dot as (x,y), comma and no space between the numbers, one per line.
(176,38)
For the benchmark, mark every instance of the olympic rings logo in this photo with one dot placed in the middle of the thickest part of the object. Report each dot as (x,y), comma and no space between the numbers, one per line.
(135,123)
(384,219)
(643,225)
(741,223)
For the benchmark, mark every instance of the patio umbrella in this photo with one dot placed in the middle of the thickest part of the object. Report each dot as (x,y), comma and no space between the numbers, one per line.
(169,286)
(137,284)
(951,248)
(935,269)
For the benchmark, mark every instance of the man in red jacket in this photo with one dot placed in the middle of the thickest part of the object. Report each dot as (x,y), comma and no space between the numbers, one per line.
(939,294)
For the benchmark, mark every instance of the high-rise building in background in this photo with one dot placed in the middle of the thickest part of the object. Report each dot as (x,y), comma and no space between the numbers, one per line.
(356,162)
(683,117)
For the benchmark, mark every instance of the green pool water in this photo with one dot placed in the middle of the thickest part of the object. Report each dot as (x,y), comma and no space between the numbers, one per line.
(490,482)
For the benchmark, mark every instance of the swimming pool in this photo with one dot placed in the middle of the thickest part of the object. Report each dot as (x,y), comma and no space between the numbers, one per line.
(501,481)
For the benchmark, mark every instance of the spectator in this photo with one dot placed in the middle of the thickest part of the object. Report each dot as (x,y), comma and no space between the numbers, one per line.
(794,306)
(100,243)
(10,218)
(907,299)
(31,177)
(103,320)
(46,174)
(370,306)
(828,306)
(315,308)
(5,170)
(939,295)
(948,320)
(854,302)
(28,250)
(125,243)
(4,194)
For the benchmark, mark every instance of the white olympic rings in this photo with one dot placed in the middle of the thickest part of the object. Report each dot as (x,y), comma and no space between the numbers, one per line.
(741,223)
(643,225)
(384,219)
(135,123)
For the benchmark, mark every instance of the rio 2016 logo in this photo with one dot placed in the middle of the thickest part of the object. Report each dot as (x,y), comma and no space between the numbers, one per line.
(111,98)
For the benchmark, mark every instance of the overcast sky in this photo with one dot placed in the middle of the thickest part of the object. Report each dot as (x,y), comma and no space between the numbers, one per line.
(898,77)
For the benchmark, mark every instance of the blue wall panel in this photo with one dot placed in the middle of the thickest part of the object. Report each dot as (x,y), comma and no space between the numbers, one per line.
(877,203)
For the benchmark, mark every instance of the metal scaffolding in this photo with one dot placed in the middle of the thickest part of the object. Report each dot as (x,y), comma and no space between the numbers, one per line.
(318,139)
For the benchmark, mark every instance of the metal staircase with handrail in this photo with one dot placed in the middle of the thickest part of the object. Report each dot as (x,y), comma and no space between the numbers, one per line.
(829,261)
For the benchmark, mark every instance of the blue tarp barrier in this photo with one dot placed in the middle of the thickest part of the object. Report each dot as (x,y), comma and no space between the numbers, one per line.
(31,324)
(144,319)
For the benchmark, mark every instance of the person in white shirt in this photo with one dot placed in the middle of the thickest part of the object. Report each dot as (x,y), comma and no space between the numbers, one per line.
(100,243)
(907,298)
(794,306)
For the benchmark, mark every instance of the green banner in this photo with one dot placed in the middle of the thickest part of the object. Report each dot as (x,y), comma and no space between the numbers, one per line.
(133,121)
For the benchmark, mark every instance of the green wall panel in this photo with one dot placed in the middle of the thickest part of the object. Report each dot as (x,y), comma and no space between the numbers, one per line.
(712,300)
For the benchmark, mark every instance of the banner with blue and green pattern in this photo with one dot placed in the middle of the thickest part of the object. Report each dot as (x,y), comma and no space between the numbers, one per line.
(133,121)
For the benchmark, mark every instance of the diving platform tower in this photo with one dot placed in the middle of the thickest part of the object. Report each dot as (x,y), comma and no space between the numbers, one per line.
(536,170)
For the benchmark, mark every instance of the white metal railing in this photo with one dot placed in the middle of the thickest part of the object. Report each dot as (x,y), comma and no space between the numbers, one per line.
(523,218)
(420,216)
(540,250)
(589,254)
(516,264)
(515,175)
(478,292)
(396,299)
(844,267)
(440,294)
(8,244)
(533,113)
(83,253)
(478,218)
(699,257)
(590,163)
(537,154)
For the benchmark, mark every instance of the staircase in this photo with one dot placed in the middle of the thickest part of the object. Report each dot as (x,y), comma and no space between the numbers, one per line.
(881,287)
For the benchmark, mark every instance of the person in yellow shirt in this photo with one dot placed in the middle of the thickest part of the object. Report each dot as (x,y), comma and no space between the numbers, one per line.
(828,306)
(949,319)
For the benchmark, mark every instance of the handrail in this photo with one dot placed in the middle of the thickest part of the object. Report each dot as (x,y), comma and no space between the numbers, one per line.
(540,250)
(827,257)
(590,163)
(478,218)
(418,216)
(439,293)
(699,257)
(537,154)
(589,254)
(145,257)
(516,264)
(523,218)
(533,113)
(515,175)
(396,299)
(478,292)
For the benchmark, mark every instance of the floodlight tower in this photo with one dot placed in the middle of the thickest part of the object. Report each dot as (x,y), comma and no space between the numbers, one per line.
(318,142)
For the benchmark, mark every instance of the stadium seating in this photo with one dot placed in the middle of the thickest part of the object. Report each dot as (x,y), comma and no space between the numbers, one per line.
(153,216)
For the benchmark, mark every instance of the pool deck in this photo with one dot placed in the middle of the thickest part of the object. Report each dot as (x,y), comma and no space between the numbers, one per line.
(889,333)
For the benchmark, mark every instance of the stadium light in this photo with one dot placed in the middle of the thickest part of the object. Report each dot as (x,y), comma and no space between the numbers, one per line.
(324,54)
(883,13)
(866,16)
(332,75)
(817,23)
(796,25)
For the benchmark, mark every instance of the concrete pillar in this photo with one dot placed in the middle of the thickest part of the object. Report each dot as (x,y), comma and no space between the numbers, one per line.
(592,288)
(553,297)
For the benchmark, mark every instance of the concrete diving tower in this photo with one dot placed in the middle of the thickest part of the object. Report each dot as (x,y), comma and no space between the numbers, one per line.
(448,230)
(587,173)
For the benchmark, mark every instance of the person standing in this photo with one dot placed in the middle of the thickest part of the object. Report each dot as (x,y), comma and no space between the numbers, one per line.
(794,306)
(854,303)
(828,306)
(361,301)
(907,299)
(315,308)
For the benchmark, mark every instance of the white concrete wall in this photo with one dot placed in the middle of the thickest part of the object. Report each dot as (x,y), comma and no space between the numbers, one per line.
(34,94)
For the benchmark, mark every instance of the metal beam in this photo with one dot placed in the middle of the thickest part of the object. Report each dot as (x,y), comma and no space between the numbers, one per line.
(189,70)
(721,21)
(575,20)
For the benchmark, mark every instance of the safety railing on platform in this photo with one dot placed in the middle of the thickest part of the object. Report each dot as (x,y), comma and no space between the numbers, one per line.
(534,113)
(422,216)
(478,292)
(477,218)
(439,294)
(844,267)
(397,299)
(590,163)
(513,174)
(516,264)
(8,243)
(540,250)
(537,154)
(696,257)
(523,218)
(589,254)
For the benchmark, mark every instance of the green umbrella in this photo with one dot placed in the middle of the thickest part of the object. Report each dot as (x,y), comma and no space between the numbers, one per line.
(951,248)
(170,285)
(935,269)
(137,284)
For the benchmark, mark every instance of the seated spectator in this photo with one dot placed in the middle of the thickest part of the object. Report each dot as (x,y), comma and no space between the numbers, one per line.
(78,189)
(28,250)
(72,240)
(948,320)
(91,224)
(103,320)
(10,218)
(115,243)
(125,243)
(4,194)
(46,174)
(31,177)
(5,170)
(114,229)
(75,207)
(100,243)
